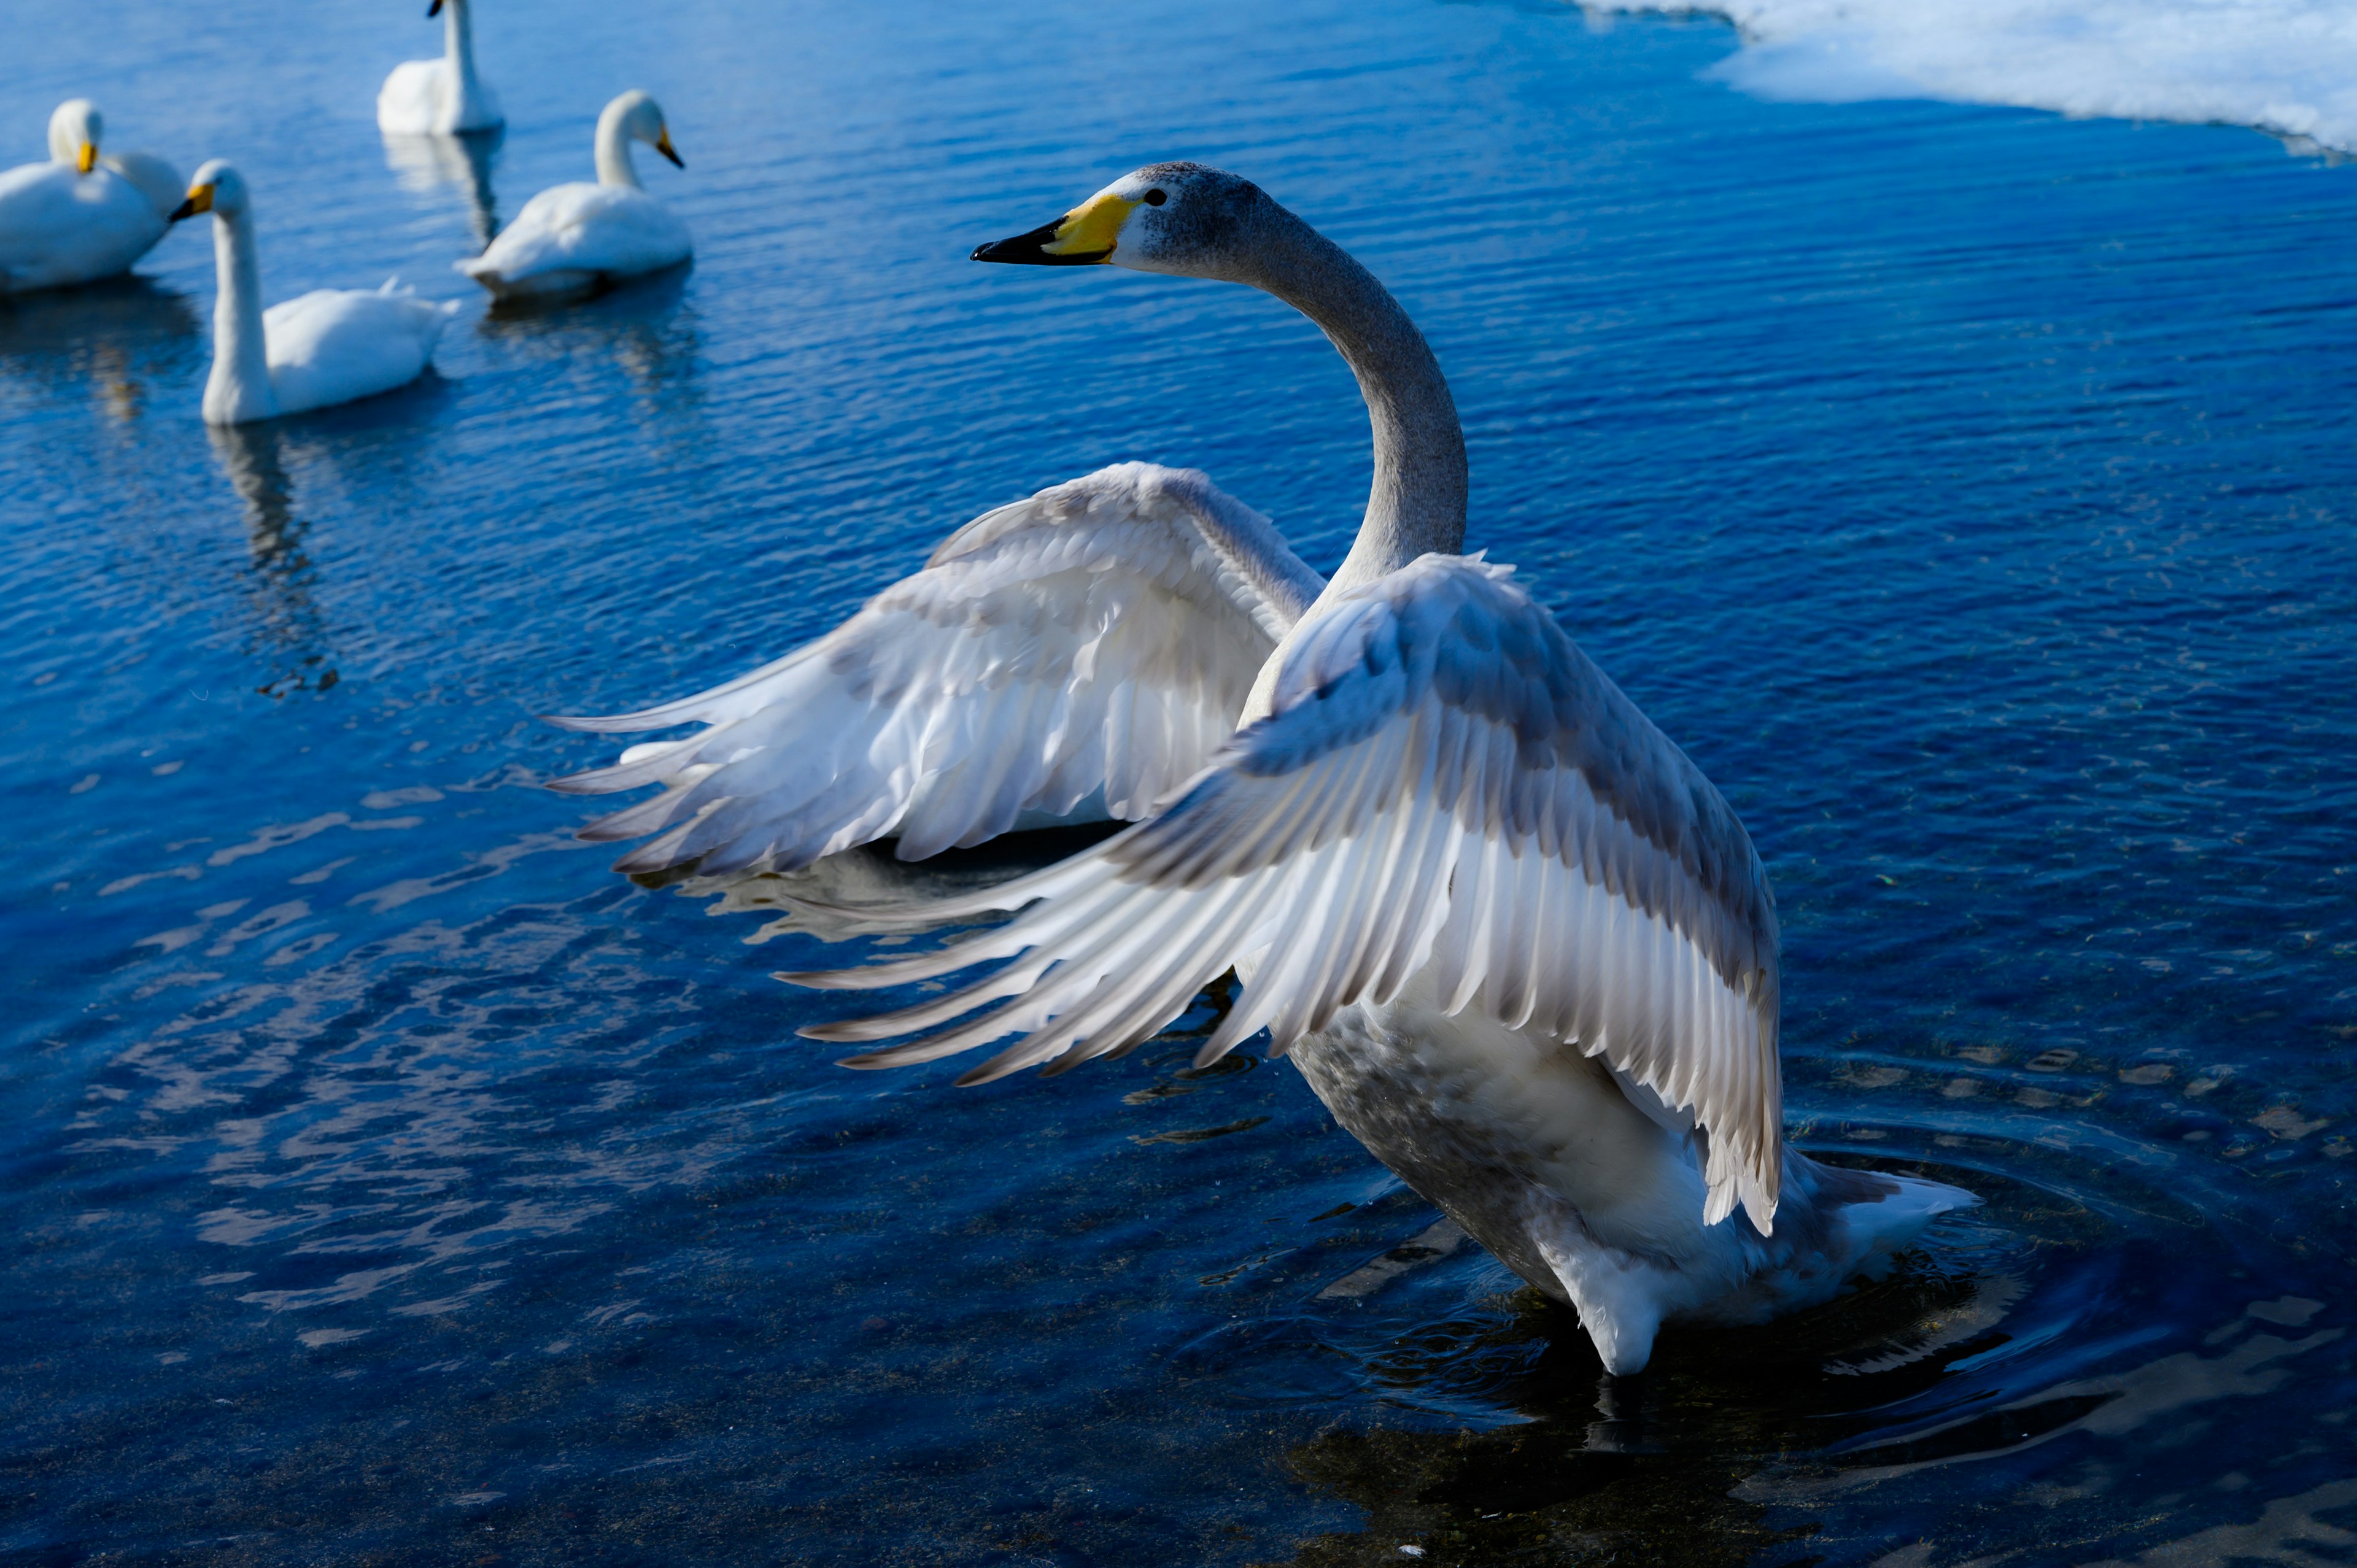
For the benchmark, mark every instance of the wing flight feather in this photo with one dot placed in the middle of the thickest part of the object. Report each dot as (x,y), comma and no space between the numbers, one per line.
(1443,779)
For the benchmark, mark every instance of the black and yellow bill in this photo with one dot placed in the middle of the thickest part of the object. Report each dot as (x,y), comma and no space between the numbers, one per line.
(1083,237)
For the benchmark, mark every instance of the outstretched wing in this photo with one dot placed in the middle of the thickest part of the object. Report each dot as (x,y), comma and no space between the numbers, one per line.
(1102,636)
(1443,779)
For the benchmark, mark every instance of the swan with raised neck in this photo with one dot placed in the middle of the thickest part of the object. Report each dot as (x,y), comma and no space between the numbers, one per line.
(576,238)
(329,345)
(445,96)
(1474,892)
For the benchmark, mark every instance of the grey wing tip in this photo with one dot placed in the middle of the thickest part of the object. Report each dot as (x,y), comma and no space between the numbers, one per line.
(606,724)
(573,783)
(822,980)
(647,860)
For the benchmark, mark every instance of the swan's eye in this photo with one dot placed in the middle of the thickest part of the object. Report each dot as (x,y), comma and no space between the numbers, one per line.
(1156,197)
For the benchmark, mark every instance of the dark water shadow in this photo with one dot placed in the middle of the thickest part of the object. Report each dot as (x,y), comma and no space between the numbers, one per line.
(645,294)
(646,329)
(2026,1342)
(115,338)
(1595,1469)
(464,162)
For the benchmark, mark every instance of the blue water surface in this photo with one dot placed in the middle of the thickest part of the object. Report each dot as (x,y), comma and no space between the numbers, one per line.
(1968,491)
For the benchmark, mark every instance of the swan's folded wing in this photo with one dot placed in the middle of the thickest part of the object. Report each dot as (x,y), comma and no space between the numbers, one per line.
(334,345)
(1443,779)
(1100,637)
(589,228)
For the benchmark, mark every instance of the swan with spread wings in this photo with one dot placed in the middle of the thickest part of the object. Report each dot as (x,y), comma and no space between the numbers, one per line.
(1517,943)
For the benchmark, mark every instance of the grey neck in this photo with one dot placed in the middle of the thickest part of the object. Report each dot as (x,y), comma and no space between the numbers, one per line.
(1416,503)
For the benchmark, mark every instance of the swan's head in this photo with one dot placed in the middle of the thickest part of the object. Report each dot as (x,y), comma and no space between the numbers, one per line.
(217,189)
(73,134)
(1187,219)
(640,119)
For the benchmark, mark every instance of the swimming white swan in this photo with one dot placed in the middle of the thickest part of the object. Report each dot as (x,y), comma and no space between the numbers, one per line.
(573,238)
(80,216)
(327,347)
(1516,941)
(439,97)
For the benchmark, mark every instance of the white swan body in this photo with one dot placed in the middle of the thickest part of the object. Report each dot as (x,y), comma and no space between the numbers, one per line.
(439,97)
(81,216)
(1519,945)
(574,238)
(327,347)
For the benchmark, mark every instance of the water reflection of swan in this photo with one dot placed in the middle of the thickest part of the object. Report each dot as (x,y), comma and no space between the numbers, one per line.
(289,629)
(649,332)
(115,337)
(423,163)
(1610,1462)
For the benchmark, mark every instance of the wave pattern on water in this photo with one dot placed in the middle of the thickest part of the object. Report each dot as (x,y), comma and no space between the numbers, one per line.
(1968,492)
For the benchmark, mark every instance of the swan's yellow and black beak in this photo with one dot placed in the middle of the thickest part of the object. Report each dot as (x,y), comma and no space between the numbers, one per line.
(1080,238)
(662,145)
(200,199)
(88,158)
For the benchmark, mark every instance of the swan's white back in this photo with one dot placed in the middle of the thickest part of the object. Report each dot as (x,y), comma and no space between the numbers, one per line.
(336,345)
(575,236)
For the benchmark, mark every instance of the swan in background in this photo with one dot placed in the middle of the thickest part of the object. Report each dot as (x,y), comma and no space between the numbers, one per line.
(327,347)
(439,97)
(571,239)
(1518,944)
(80,216)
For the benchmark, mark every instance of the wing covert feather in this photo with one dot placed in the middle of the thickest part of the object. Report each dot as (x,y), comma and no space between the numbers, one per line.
(1100,635)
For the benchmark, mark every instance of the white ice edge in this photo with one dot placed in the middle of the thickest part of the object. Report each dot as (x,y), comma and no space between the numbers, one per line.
(2287,67)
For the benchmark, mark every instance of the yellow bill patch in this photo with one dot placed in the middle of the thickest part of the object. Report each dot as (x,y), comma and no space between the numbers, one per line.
(1091,228)
(201,199)
(88,158)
